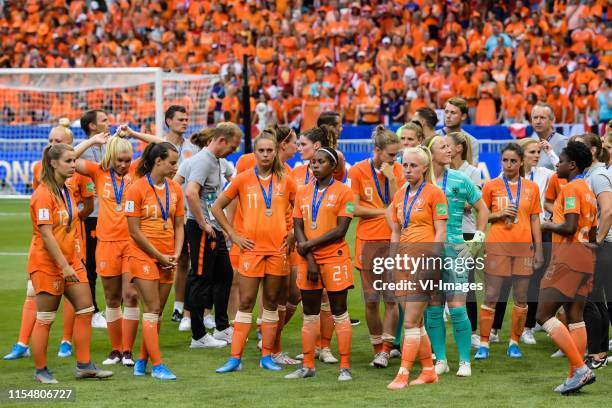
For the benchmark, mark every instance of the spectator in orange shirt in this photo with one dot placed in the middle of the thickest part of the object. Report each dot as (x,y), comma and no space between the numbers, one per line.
(348,106)
(455,46)
(385,55)
(584,105)
(513,106)
(395,83)
(446,85)
(368,110)
(560,105)
(582,75)
(487,93)
(534,85)
(468,89)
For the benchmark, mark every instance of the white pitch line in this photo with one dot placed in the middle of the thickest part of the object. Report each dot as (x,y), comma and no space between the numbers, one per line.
(13,254)
(12,214)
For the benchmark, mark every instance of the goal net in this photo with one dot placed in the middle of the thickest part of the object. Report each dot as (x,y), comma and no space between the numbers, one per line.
(33,100)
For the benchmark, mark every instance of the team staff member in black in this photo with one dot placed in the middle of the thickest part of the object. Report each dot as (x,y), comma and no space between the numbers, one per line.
(210,277)
(93,122)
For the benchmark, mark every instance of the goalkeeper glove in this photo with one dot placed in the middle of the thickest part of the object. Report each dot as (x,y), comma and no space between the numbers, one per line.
(471,248)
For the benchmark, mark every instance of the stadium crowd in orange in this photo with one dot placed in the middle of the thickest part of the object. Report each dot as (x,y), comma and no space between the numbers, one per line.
(372,60)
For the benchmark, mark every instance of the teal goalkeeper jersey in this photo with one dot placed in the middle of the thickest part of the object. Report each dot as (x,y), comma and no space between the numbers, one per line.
(459,190)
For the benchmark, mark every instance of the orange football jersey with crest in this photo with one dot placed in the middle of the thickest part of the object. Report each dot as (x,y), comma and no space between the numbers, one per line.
(363,184)
(266,227)
(337,202)
(141,202)
(430,206)
(112,225)
(47,209)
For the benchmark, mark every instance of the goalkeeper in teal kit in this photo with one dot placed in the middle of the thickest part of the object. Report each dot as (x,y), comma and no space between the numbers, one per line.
(460,192)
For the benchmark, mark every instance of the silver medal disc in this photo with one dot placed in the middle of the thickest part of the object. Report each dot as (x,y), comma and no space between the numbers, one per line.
(118,207)
(313,225)
(268,212)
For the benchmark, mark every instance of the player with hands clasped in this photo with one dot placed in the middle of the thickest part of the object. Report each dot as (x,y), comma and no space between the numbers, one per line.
(322,214)
(154,209)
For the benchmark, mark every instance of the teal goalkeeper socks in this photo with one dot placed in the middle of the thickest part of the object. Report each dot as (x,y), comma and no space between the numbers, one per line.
(462,331)
(436,330)
(399,328)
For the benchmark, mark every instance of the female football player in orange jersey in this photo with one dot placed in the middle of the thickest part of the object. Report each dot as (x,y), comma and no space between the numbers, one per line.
(459,191)
(374,182)
(265,194)
(112,178)
(417,214)
(54,266)
(155,210)
(82,189)
(287,147)
(309,142)
(569,277)
(541,176)
(321,217)
(513,245)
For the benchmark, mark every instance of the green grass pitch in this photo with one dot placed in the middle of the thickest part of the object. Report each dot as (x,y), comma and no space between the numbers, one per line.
(498,382)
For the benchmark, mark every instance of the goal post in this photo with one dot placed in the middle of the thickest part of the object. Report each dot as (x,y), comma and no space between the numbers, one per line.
(32,100)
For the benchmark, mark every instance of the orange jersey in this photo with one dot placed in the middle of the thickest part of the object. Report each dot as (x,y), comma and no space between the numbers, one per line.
(430,206)
(496,199)
(112,225)
(47,209)
(245,162)
(363,185)
(554,187)
(80,186)
(338,202)
(267,231)
(576,197)
(302,175)
(141,202)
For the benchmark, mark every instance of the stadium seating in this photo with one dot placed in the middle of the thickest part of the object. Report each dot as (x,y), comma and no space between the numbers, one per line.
(373,60)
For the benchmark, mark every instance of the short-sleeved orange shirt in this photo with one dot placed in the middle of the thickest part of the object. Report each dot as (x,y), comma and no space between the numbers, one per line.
(112,225)
(267,231)
(141,202)
(554,187)
(363,185)
(496,199)
(338,202)
(430,206)
(245,162)
(302,175)
(47,209)
(576,197)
